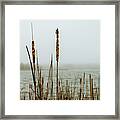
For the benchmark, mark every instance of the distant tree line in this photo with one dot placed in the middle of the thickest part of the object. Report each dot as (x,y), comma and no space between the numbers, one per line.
(24,66)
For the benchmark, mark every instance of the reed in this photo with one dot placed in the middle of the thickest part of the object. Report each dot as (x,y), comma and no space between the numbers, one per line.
(33,75)
(57,59)
(91,86)
(33,56)
(82,87)
(42,88)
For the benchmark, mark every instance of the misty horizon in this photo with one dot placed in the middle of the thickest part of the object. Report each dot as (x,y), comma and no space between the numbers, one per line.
(79,41)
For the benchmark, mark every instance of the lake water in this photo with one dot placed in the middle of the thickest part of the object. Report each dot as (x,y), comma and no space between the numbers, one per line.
(71,74)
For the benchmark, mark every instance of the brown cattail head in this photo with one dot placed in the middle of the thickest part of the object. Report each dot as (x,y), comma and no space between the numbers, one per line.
(57,45)
(33,52)
(33,46)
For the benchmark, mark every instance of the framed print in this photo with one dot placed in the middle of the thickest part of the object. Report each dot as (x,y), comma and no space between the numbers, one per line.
(60,59)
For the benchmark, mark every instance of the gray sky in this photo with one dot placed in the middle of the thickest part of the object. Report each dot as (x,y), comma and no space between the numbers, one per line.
(79,40)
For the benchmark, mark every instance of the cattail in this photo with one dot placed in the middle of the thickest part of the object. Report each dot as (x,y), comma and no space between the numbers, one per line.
(87,90)
(47,91)
(67,90)
(51,89)
(80,87)
(39,84)
(42,86)
(34,81)
(84,88)
(51,75)
(91,86)
(33,48)
(59,89)
(57,45)
(33,55)
(57,59)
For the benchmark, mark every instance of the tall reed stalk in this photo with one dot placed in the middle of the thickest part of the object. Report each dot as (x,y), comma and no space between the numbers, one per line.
(33,75)
(57,59)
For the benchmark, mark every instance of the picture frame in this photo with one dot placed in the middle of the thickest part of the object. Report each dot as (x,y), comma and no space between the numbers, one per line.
(2,85)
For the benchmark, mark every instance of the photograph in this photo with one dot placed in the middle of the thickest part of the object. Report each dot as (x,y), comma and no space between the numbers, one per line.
(59,59)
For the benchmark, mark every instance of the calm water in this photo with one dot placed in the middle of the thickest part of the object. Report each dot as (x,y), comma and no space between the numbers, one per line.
(71,74)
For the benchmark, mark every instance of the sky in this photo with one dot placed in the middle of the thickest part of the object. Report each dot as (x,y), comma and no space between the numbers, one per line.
(79,40)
